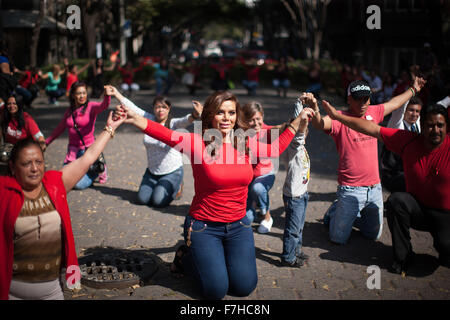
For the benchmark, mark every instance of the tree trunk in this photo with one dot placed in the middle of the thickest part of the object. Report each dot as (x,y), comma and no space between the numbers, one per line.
(89,26)
(90,19)
(317,44)
(35,33)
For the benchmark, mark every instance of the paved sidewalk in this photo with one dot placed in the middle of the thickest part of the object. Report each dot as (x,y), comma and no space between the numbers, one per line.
(107,219)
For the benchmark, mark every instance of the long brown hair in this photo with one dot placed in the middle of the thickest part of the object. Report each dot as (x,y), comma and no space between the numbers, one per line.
(73,89)
(164,100)
(210,108)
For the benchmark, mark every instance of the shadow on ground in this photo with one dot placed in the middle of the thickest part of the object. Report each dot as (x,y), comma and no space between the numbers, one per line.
(358,251)
(124,194)
(155,271)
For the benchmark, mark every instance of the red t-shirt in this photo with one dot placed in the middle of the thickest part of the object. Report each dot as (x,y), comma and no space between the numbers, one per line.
(264,165)
(221,184)
(128,75)
(71,79)
(358,153)
(14,134)
(28,79)
(427,172)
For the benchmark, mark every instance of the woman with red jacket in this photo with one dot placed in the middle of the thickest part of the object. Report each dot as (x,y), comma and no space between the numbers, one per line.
(17,124)
(220,250)
(36,239)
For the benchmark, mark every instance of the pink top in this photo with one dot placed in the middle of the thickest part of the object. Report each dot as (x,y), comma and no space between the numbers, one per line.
(264,165)
(358,153)
(86,124)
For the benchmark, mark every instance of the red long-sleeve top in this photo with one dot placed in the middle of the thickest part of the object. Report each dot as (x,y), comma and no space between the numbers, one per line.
(220,182)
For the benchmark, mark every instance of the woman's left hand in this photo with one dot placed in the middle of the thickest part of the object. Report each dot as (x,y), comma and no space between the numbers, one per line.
(116,121)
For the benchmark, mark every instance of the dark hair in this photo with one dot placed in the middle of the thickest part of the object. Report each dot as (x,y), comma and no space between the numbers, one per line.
(7,117)
(97,60)
(164,100)
(433,109)
(415,100)
(18,147)
(74,88)
(210,108)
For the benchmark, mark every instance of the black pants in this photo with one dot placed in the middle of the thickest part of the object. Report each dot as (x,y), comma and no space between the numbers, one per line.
(394,182)
(404,212)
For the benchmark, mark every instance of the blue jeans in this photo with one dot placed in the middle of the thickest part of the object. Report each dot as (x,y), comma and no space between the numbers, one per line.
(283,83)
(361,207)
(55,94)
(88,179)
(295,208)
(163,86)
(258,191)
(27,95)
(250,86)
(160,190)
(221,257)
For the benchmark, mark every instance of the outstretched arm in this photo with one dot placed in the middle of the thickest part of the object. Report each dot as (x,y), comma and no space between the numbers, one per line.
(58,130)
(397,101)
(358,124)
(112,91)
(181,140)
(110,68)
(74,171)
(397,117)
(318,122)
(84,68)
(262,150)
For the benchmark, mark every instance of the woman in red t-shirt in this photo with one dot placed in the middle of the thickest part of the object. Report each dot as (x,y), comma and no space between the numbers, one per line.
(28,87)
(219,249)
(19,125)
(72,76)
(263,170)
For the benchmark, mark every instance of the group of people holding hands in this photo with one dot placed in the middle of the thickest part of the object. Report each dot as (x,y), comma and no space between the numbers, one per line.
(230,158)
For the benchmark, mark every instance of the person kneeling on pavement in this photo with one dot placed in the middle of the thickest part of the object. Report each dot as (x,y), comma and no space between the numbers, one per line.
(425,205)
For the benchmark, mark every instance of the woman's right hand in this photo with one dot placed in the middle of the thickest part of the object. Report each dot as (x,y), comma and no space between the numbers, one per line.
(110,90)
(306,115)
(302,120)
(122,111)
(308,99)
(198,108)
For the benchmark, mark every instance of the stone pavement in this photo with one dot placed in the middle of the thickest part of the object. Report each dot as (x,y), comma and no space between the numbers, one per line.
(107,219)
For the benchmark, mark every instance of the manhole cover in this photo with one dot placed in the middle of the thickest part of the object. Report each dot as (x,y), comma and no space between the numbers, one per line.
(117,270)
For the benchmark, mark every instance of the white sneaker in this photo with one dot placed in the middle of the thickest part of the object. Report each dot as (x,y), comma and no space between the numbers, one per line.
(265,226)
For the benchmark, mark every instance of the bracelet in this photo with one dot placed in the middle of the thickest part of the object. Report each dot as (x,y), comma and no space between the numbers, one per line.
(413,91)
(109,130)
(291,126)
(195,118)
